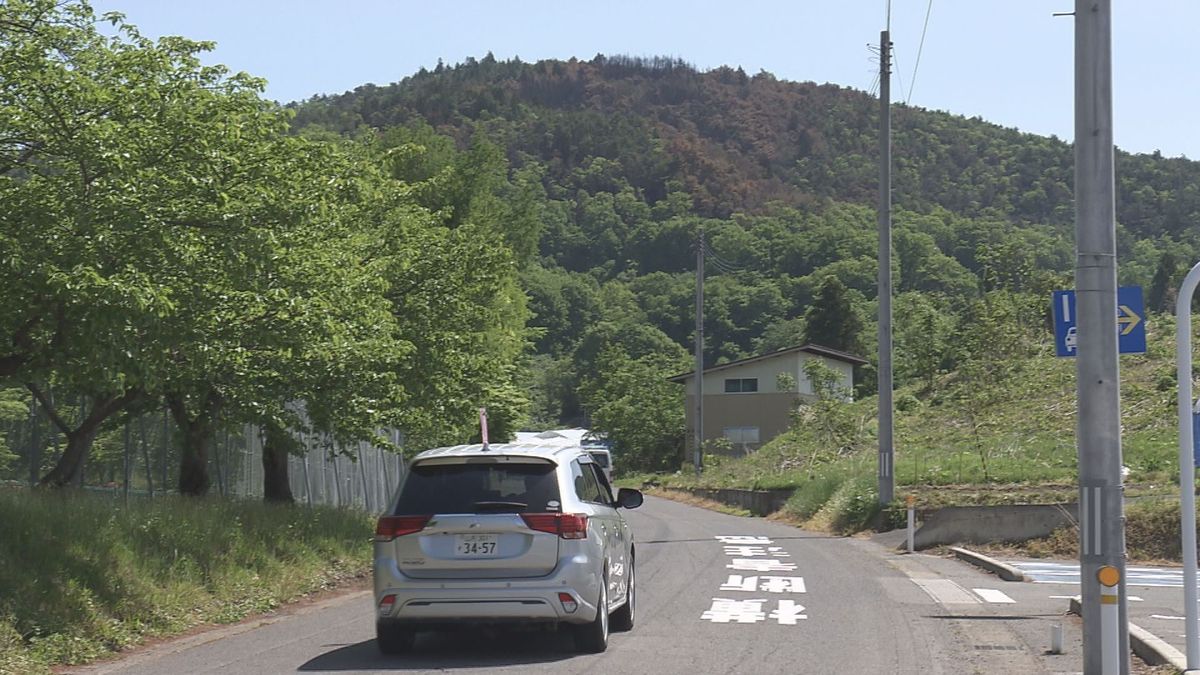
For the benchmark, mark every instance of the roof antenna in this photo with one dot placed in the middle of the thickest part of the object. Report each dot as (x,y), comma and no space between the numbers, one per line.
(483,427)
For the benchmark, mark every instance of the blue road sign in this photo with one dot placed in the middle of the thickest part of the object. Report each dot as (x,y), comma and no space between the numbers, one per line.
(1131,324)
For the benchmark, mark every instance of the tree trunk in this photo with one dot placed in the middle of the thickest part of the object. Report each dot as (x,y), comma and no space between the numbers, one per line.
(275,451)
(69,468)
(196,432)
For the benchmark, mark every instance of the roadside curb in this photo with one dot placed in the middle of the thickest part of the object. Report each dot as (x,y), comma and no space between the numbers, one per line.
(1003,570)
(1151,648)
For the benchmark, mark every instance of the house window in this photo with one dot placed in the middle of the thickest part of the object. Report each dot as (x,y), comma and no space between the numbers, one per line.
(741,386)
(741,435)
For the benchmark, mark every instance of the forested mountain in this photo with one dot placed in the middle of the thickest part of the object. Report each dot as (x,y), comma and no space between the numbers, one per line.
(506,235)
(622,160)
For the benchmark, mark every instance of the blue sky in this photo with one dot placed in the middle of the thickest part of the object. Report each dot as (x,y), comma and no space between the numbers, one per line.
(1007,61)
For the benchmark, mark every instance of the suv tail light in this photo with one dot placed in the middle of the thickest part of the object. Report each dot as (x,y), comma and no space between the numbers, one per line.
(390,527)
(565,525)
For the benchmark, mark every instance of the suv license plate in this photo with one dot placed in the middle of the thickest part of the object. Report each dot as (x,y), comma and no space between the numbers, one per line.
(475,545)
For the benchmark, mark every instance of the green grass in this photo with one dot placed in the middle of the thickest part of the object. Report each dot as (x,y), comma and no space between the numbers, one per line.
(82,575)
(1018,448)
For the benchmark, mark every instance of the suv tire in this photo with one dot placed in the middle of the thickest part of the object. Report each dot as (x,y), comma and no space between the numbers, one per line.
(622,619)
(592,638)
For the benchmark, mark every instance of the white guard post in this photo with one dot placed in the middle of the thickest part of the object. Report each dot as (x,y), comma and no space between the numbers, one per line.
(1110,620)
(911,524)
(1187,461)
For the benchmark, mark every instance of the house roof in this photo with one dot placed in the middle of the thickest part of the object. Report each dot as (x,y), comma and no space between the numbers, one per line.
(827,352)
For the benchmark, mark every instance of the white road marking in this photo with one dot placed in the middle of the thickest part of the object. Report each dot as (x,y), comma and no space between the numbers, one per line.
(788,612)
(993,595)
(1068,573)
(761,565)
(743,539)
(743,551)
(1161,616)
(946,592)
(783,585)
(768,584)
(724,610)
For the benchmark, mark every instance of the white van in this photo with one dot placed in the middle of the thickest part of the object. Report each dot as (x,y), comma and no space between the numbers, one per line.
(603,458)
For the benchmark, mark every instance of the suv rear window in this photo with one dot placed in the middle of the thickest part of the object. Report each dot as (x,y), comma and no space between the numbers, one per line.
(600,458)
(479,488)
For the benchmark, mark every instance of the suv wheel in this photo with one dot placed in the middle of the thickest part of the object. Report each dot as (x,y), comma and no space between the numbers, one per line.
(393,639)
(593,637)
(622,619)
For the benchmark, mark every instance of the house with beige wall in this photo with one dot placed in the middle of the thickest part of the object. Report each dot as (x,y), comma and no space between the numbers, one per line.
(744,401)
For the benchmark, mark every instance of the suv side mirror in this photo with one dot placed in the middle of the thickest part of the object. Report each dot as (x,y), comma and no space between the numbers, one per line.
(628,498)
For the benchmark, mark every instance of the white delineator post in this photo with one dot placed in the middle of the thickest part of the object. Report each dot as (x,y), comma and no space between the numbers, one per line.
(911,524)
(1110,621)
(1187,461)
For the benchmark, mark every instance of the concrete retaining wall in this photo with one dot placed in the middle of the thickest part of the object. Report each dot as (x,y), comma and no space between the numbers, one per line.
(988,524)
(758,502)
(948,525)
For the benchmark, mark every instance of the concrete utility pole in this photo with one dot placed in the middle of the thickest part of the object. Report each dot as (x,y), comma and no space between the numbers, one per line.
(698,452)
(886,452)
(1098,425)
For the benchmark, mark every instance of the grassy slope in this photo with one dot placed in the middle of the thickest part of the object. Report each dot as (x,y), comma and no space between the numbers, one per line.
(82,575)
(1027,437)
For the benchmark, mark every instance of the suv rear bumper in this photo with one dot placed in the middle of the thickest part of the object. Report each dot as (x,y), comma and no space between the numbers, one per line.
(436,601)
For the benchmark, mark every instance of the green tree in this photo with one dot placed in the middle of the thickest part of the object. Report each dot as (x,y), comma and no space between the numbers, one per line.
(631,402)
(832,320)
(123,152)
(1161,293)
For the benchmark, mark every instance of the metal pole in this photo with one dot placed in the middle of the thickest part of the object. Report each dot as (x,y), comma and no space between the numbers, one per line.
(128,465)
(337,480)
(307,482)
(1187,462)
(362,471)
(698,453)
(886,453)
(146,456)
(165,455)
(1098,424)
(35,442)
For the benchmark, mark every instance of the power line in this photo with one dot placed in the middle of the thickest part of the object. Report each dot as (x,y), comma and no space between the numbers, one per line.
(873,58)
(913,80)
(721,263)
(896,68)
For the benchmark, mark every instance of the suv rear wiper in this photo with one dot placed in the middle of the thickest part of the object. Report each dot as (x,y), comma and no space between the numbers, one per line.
(500,506)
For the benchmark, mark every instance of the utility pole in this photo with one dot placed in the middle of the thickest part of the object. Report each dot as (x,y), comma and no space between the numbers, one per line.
(698,452)
(886,451)
(1098,425)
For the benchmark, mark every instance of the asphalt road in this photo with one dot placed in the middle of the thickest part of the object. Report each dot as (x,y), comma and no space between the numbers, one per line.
(860,608)
(1155,594)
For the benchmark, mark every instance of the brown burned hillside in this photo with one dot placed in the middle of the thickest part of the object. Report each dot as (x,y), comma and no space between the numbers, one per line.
(736,143)
(602,171)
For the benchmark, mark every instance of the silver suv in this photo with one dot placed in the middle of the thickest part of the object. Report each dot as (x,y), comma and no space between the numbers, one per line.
(514,533)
